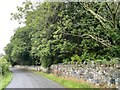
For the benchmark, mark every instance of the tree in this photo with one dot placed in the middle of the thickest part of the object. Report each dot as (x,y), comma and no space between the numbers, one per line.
(64,32)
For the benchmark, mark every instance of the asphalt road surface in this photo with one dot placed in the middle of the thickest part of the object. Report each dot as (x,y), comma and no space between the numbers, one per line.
(27,79)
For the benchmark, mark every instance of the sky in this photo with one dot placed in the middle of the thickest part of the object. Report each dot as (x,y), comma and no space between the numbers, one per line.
(8,26)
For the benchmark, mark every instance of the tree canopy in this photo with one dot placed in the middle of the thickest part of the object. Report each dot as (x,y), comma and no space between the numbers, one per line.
(58,32)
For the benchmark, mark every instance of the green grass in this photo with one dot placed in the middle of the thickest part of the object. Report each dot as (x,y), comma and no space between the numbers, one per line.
(65,82)
(4,80)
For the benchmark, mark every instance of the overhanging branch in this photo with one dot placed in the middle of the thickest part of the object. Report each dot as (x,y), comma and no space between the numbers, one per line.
(100,40)
(97,16)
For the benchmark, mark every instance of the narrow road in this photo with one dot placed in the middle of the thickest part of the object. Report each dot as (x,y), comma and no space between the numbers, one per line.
(27,79)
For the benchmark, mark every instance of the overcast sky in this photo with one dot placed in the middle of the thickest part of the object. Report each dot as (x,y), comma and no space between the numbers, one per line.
(7,26)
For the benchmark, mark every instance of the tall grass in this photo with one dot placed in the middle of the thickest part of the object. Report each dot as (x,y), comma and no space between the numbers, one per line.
(5,74)
(4,80)
(65,82)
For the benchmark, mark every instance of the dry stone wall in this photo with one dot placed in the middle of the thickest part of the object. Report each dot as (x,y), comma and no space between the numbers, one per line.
(101,75)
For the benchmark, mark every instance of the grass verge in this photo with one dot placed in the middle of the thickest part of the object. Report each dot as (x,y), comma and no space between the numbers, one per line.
(4,80)
(65,82)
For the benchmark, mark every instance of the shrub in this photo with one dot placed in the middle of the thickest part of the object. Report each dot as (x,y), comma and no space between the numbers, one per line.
(114,61)
(75,58)
(4,65)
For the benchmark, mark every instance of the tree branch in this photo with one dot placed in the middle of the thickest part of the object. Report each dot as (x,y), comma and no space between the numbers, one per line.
(101,5)
(109,8)
(97,16)
(117,7)
(100,40)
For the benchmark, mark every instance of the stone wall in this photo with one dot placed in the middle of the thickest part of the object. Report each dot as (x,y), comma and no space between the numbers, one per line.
(34,68)
(101,75)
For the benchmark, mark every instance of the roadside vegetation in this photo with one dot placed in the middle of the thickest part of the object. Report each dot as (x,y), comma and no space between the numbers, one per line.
(66,82)
(65,32)
(5,74)
(61,32)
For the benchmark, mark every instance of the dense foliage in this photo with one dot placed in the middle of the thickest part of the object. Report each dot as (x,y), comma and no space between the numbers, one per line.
(4,66)
(63,32)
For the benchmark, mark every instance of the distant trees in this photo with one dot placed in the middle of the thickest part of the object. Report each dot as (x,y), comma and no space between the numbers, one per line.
(64,32)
